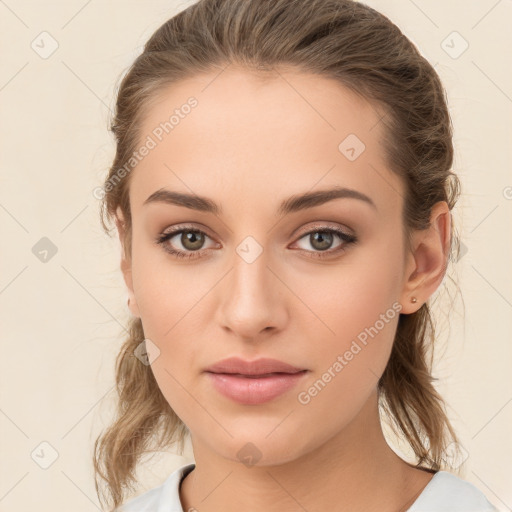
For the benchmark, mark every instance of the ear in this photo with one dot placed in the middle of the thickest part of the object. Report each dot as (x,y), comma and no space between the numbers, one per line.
(126,264)
(426,266)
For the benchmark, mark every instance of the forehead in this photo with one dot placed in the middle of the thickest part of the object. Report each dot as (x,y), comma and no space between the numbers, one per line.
(262,137)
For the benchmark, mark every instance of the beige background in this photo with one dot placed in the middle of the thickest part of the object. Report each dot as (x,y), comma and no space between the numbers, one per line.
(62,319)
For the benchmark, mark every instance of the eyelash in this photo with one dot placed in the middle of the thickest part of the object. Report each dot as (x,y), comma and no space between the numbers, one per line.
(163,237)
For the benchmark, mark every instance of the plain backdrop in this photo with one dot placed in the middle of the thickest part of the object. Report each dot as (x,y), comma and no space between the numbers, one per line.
(62,298)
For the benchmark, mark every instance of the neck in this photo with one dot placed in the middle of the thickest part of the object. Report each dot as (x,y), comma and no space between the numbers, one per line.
(355,469)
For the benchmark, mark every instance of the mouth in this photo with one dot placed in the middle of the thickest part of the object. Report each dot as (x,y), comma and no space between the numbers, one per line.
(254,389)
(258,376)
(258,367)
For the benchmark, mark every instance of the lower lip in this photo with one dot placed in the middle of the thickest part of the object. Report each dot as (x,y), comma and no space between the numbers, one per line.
(253,391)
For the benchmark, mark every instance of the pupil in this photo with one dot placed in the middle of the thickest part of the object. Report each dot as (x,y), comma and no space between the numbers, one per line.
(325,240)
(191,237)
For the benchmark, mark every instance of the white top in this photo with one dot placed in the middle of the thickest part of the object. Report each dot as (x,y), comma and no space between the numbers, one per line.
(444,493)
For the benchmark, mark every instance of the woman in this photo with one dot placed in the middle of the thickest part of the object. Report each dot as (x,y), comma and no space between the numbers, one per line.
(282,193)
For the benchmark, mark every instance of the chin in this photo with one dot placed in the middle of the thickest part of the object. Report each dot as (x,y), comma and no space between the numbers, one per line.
(257,449)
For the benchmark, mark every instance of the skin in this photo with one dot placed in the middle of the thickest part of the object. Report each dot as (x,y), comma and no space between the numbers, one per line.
(248,145)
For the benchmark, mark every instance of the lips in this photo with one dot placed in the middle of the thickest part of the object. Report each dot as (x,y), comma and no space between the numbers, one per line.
(259,367)
(254,390)
(259,376)
(253,382)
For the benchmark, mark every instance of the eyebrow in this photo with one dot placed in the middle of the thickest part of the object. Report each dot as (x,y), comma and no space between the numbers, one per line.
(292,204)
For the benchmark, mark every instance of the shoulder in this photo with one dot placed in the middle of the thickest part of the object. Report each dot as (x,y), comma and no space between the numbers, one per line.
(165,497)
(447,492)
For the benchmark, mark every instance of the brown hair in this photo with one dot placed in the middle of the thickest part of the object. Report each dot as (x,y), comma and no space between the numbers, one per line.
(364,51)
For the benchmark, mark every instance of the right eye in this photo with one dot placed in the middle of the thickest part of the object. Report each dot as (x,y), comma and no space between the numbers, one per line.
(191,239)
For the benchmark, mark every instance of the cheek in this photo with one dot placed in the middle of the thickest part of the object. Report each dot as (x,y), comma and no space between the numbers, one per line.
(347,370)
(357,315)
(172,382)
(343,302)
(163,293)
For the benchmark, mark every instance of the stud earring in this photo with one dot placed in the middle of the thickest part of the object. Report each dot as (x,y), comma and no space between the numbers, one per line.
(414,299)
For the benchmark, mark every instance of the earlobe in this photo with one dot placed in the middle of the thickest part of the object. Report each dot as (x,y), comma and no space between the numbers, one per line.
(128,279)
(429,259)
(126,266)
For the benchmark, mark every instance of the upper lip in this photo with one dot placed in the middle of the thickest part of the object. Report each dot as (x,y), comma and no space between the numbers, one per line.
(257,367)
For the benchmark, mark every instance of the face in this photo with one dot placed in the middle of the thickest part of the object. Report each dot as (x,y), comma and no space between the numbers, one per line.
(318,286)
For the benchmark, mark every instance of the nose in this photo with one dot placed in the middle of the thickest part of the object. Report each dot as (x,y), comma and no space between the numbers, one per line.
(252,299)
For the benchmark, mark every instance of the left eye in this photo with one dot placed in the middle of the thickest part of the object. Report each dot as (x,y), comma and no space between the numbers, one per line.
(322,238)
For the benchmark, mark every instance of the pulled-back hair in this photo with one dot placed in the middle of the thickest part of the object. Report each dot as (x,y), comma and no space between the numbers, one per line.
(365,52)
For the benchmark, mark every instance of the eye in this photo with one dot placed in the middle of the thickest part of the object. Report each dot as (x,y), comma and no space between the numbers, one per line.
(321,239)
(191,239)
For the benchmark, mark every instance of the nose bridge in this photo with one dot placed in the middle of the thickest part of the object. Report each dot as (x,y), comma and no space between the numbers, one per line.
(250,275)
(250,279)
(250,301)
